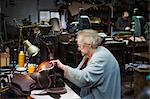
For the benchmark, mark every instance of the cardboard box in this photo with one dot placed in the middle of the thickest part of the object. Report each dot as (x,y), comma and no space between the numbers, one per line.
(4,58)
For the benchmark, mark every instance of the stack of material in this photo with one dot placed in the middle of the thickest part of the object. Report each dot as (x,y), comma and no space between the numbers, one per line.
(4,58)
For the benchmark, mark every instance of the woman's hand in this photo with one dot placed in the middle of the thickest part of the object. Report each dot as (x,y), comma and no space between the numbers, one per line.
(57,63)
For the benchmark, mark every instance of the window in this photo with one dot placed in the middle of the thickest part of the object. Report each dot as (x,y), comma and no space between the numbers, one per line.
(45,16)
(55,15)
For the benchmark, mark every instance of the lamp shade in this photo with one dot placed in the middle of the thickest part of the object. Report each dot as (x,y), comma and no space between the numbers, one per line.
(31,49)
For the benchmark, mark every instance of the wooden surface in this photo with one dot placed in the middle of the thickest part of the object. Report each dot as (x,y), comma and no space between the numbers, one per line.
(140,81)
(144,54)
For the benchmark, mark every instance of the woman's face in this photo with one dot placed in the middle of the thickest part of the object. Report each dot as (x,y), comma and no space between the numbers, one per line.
(84,48)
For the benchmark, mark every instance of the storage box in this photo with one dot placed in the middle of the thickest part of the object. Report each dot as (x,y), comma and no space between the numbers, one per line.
(4,58)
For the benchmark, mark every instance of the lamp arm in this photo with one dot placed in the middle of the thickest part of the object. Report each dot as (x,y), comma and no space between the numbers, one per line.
(20,38)
(27,62)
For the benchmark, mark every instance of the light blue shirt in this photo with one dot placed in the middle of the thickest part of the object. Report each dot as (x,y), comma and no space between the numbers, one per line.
(100,79)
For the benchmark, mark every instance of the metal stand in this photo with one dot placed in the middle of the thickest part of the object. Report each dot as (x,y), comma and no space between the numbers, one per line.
(1,45)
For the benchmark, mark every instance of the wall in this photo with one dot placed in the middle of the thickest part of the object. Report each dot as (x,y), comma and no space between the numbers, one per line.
(47,5)
(0,17)
(21,9)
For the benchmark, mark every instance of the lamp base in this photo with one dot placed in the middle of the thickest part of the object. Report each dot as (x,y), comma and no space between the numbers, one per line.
(21,69)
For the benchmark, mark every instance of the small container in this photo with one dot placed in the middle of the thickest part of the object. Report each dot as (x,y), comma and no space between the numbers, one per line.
(31,68)
(21,59)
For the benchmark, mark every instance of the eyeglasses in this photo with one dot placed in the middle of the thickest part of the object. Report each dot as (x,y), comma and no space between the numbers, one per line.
(80,46)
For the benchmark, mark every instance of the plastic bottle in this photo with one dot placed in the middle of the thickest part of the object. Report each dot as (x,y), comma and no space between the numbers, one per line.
(21,59)
(31,68)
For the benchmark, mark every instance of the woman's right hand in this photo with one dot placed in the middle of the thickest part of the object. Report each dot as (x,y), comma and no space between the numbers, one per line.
(57,63)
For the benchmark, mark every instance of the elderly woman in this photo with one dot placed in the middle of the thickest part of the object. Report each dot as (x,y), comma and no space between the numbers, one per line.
(98,74)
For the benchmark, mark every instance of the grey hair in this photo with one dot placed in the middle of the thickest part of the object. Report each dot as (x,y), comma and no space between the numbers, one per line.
(90,36)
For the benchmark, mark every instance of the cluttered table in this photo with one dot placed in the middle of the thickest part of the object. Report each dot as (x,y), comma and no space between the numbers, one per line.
(141,77)
(9,80)
(145,55)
